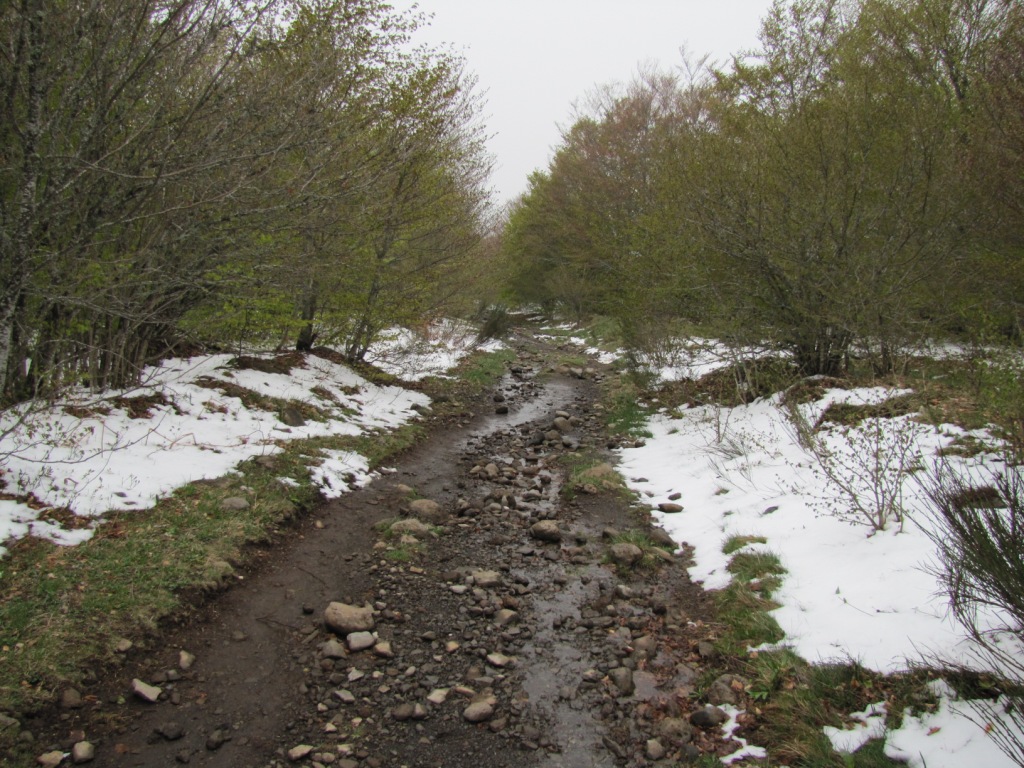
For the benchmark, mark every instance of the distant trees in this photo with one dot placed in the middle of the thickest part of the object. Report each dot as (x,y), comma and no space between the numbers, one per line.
(824,194)
(225,168)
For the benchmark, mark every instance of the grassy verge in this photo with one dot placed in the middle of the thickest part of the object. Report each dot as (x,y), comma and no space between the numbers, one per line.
(795,700)
(65,608)
(624,407)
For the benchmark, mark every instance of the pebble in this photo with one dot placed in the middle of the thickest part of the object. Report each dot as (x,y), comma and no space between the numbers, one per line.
(625,554)
(546,530)
(438,696)
(217,739)
(708,717)
(486,579)
(301,751)
(479,710)
(83,752)
(654,750)
(171,731)
(622,679)
(145,691)
(499,660)
(360,641)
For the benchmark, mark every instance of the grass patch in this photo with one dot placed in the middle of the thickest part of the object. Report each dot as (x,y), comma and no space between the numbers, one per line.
(654,554)
(624,413)
(745,615)
(573,361)
(799,699)
(744,605)
(736,384)
(736,543)
(483,370)
(604,332)
(795,699)
(589,473)
(256,401)
(852,414)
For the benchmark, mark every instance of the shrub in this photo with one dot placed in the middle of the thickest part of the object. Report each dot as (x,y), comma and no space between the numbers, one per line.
(977,527)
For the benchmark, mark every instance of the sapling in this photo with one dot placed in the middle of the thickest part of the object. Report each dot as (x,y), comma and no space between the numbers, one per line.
(866,465)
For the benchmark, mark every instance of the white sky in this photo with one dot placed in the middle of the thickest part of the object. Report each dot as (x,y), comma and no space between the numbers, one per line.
(534,58)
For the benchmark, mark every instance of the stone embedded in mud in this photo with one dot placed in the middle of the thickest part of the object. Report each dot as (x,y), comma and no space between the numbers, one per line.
(562,425)
(300,752)
(499,660)
(438,696)
(402,712)
(360,641)
(546,530)
(625,553)
(344,619)
(333,649)
(622,679)
(708,717)
(614,747)
(655,750)
(505,616)
(70,698)
(428,510)
(661,554)
(171,731)
(186,660)
(345,696)
(411,526)
(726,690)
(144,691)
(50,759)
(383,649)
(676,730)
(661,537)
(670,508)
(479,710)
(83,752)
(645,646)
(217,739)
(486,579)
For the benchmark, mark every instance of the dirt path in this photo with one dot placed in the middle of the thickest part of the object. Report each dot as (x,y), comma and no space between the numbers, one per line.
(563,658)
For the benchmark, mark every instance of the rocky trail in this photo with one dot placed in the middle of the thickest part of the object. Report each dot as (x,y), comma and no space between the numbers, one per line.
(496,625)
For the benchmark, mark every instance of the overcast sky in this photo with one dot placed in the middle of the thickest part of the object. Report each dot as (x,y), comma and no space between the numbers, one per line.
(534,58)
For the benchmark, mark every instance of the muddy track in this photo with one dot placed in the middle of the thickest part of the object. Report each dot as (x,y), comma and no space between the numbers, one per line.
(568,659)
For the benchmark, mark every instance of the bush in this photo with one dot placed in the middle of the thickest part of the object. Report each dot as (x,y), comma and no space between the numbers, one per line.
(495,322)
(977,533)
